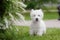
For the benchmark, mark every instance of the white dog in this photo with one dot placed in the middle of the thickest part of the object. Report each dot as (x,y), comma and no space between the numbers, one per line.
(37,26)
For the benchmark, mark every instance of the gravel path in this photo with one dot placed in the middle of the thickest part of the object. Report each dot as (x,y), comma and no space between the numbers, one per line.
(49,23)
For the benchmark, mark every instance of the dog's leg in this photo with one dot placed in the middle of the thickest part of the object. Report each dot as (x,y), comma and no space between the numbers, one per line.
(44,31)
(40,33)
(31,32)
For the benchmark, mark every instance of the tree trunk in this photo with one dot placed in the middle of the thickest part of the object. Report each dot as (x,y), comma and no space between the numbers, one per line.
(2,11)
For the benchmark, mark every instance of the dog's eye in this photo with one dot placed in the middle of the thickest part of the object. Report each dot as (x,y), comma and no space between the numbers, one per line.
(34,15)
(39,15)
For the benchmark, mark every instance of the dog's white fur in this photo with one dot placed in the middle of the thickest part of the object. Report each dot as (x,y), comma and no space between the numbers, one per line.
(37,27)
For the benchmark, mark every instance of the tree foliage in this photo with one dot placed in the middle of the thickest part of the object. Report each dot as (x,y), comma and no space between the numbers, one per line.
(37,3)
(9,10)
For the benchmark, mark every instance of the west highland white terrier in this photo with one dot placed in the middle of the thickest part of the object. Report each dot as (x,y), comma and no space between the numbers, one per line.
(37,25)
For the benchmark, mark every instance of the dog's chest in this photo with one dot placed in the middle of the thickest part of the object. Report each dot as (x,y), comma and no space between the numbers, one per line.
(35,25)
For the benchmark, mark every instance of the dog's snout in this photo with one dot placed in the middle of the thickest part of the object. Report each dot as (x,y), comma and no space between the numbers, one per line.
(36,19)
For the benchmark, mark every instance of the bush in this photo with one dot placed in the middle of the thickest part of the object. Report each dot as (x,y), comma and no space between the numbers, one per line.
(31,5)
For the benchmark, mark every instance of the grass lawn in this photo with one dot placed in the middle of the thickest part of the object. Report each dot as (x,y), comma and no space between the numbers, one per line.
(50,8)
(22,33)
(47,15)
(50,15)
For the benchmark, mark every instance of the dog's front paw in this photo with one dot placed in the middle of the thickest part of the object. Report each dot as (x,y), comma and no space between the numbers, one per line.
(31,32)
(39,34)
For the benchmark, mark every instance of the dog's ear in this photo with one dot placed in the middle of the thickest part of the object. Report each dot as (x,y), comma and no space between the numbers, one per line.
(41,12)
(40,9)
(32,10)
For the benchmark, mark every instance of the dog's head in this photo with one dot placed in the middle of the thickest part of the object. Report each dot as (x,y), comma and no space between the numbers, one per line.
(36,15)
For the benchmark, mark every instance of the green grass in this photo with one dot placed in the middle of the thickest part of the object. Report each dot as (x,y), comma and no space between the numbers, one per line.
(23,34)
(50,8)
(47,15)
(50,15)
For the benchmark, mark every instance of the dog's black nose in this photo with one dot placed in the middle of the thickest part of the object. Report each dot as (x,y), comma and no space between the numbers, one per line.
(36,19)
